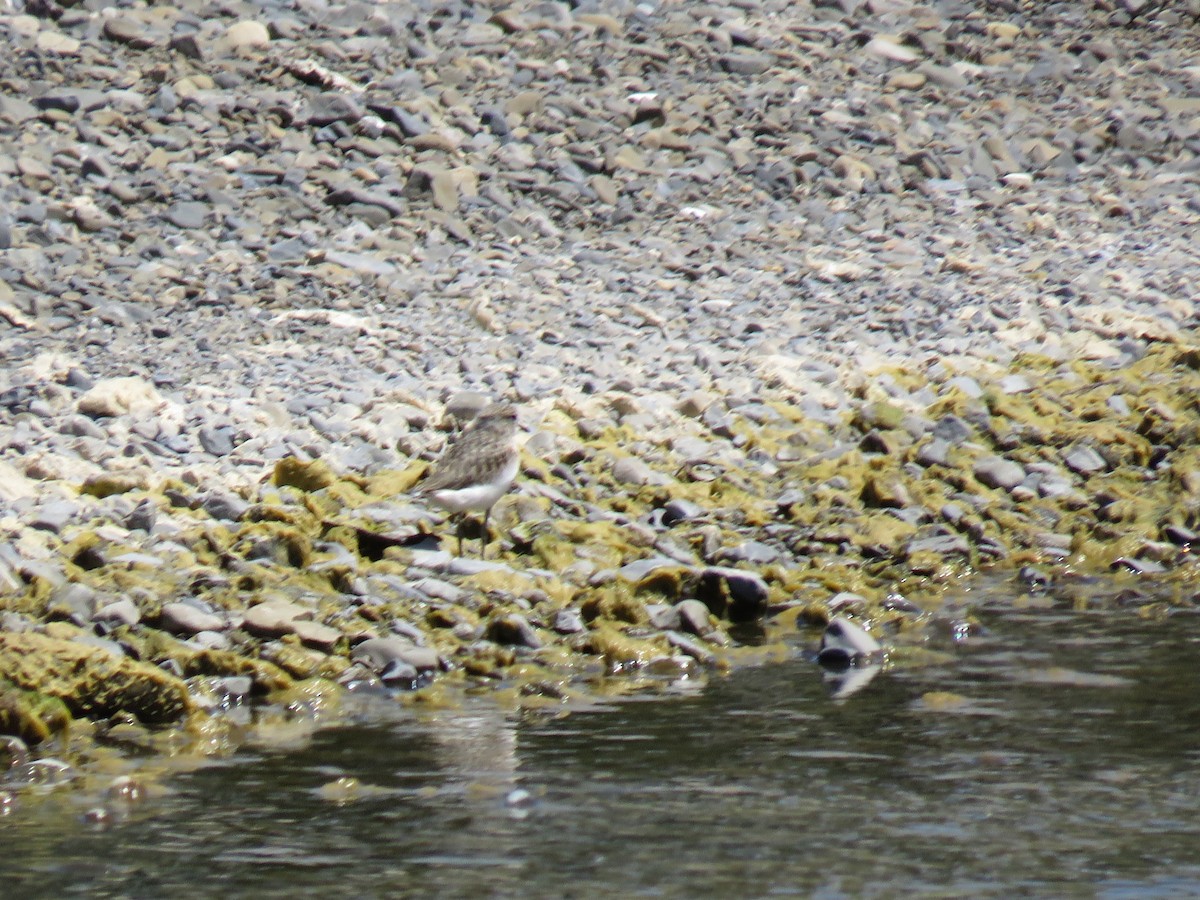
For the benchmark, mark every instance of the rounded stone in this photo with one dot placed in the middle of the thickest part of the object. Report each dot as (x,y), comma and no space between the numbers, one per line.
(247,34)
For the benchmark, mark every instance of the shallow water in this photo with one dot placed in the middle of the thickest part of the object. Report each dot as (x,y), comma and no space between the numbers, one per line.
(1056,754)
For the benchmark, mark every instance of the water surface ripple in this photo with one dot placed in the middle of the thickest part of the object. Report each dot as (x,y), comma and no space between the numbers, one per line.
(1054,755)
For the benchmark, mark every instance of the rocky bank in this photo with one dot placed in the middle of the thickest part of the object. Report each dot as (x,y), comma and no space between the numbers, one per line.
(810,308)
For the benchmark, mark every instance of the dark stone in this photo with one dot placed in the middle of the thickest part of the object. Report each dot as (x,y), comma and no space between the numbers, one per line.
(356,196)
(680,511)
(663,617)
(72,100)
(128,31)
(735,594)
(495,121)
(746,62)
(325,109)
(934,452)
(217,441)
(187,45)
(142,517)
(513,629)
(410,124)
(224,506)
(952,429)
(568,621)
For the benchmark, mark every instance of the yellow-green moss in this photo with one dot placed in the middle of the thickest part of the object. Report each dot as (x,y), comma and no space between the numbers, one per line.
(91,681)
(31,715)
(307,476)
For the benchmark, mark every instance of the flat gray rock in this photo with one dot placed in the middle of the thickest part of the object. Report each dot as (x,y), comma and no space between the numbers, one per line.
(997,472)
(379,653)
(54,516)
(185,619)
(188,214)
(274,618)
(1084,460)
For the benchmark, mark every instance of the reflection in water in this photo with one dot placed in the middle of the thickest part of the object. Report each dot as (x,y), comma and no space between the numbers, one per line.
(1052,755)
(845,683)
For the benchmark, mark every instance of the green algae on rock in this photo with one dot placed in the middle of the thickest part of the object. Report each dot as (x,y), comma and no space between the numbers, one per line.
(92,681)
(31,715)
(860,507)
(310,476)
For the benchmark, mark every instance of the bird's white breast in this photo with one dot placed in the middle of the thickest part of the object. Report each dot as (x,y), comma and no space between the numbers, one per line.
(478,496)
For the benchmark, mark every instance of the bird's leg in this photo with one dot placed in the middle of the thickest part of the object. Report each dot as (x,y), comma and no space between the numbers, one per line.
(483,539)
(458,530)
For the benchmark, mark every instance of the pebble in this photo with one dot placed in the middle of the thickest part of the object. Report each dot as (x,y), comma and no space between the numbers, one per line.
(188,214)
(967,385)
(1084,460)
(217,441)
(222,505)
(998,472)
(77,601)
(128,31)
(119,612)
(746,62)
(953,430)
(755,553)
(845,643)
(142,517)
(513,629)
(183,618)
(693,617)
(631,470)
(934,452)
(119,396)
(663,616)
(314,634)
(1015,384)
(739,594)
(568,621)
(14,485)
(680,511)
(54,516)
(247,34)
(847,600)
(378,653)
(690,647)
(274,618)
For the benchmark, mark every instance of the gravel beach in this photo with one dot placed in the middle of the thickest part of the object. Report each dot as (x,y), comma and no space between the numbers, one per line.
(808,309)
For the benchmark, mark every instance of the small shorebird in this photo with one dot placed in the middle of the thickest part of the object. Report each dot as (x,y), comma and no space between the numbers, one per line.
(477,468)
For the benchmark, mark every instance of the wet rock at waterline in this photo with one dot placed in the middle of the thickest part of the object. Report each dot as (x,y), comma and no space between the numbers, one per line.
(845,643)
(88,681)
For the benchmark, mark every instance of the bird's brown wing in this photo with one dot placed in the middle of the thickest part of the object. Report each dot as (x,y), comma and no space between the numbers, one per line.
(466,463)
